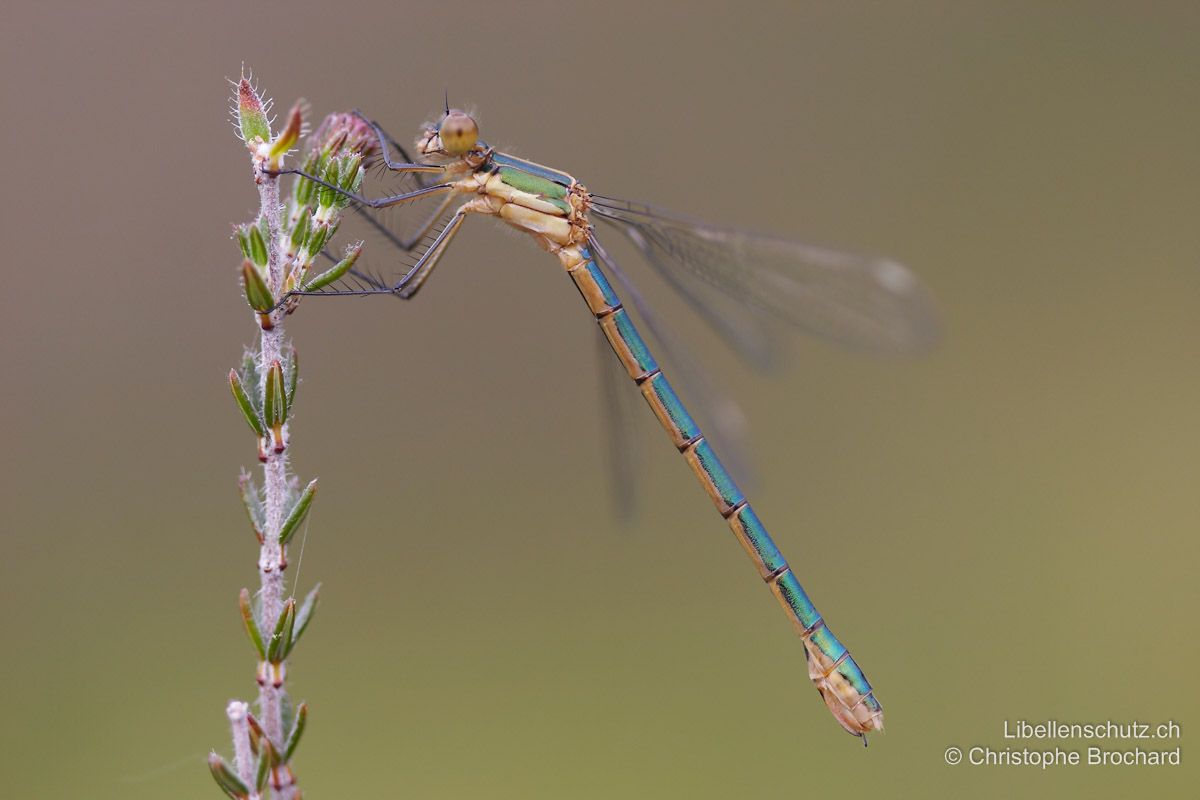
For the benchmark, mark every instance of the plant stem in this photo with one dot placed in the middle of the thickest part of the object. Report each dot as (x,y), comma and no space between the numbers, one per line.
(278,249)
(271,562)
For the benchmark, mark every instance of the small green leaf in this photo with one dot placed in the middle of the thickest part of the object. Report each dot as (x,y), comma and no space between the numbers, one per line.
(275,376)
(299,511)
(291,375)
(334,143)
(257,294)
(267,761)
(318,235)
(293,737)
(264,228)
(254,509)
(337,270)
(300,231)
(268,402)
(275,409)
(281,639)
(249,368)
(331,229)
(241,232)
(262,773)
(351,169)
(256,733)
(304,615)
(326,196)
(271,753)
(243,402)
(258,246)
(225,777)
(252,115)
(306,189)
(248,620)
(287,712)
(250,376)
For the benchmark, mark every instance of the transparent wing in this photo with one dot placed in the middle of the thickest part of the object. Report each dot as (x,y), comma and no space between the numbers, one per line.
(720,416)
(619,416)
(751,334)
(863,302)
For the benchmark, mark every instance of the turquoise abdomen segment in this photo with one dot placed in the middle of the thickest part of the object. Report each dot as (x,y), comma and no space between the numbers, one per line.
(717,481)
(756,541)
(869,702)
(795,601)
(595,288)
(666,405)
(628,344)
(853,674)
(827,644)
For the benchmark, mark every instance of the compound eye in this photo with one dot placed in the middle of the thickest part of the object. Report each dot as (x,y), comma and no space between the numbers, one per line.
(458,133)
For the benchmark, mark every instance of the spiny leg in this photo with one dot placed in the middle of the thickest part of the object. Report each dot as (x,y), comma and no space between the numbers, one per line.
(415,278)
(368,284)
(354,283)
(410,283)
(407,166)
(400,242)
(377,202)
(374,285)
(385,139)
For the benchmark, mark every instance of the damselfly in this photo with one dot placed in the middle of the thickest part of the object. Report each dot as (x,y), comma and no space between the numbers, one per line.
(860,301)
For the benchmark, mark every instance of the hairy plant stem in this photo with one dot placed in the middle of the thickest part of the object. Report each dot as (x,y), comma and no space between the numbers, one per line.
(271,563)
(264,389)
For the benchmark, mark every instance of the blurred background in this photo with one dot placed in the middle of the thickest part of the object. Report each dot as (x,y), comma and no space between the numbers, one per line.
(1003,530)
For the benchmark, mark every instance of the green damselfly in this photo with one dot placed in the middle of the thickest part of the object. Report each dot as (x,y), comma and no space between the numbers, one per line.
(863,302)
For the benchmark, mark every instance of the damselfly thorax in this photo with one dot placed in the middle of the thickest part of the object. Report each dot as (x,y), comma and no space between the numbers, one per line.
(549,205)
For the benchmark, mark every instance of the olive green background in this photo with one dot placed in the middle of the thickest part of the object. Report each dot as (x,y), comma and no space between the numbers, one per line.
(1003,530)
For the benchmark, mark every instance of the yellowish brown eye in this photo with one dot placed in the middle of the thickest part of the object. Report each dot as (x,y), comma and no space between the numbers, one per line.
(458,133)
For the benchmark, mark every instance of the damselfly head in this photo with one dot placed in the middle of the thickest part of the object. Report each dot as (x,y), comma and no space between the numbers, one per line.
(456,135)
